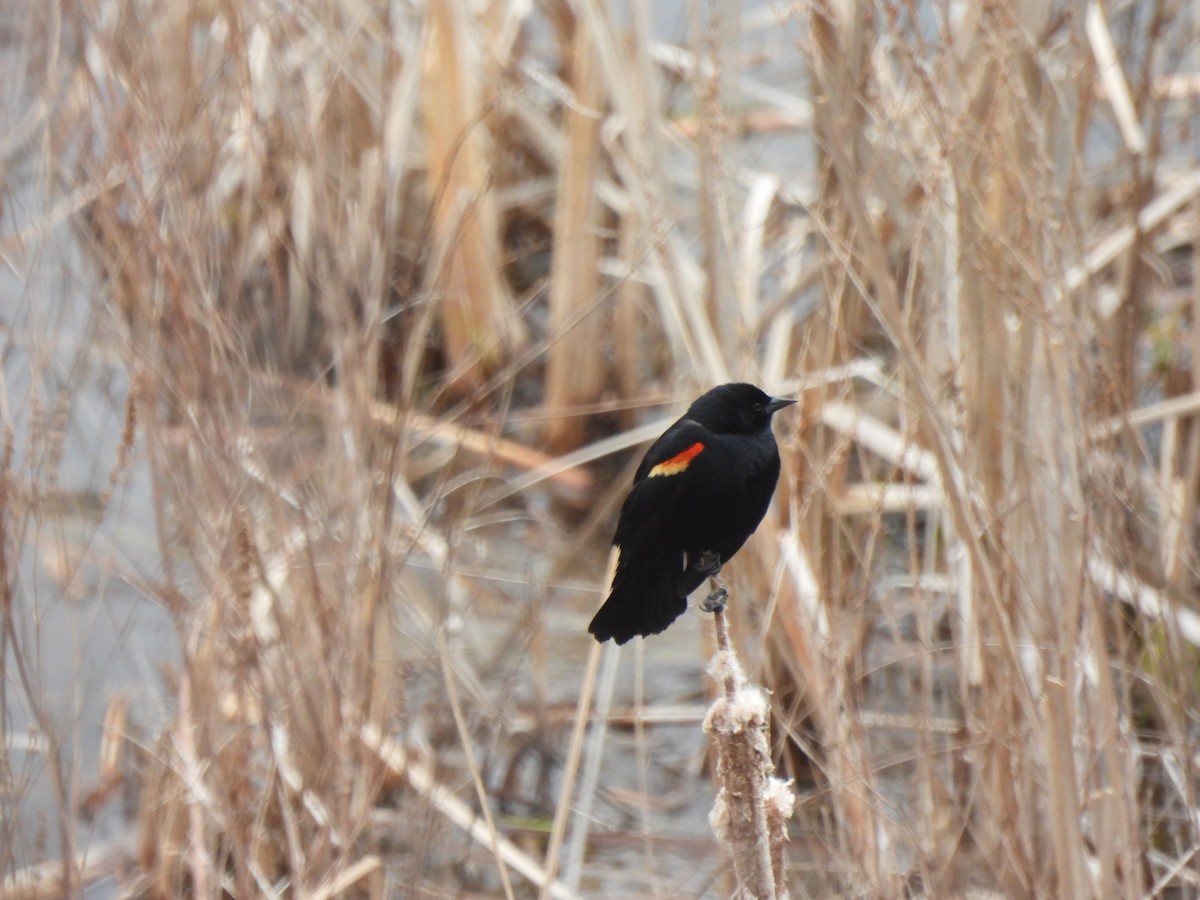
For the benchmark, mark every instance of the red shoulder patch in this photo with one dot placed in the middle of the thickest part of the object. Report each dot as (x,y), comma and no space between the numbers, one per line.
(677,463)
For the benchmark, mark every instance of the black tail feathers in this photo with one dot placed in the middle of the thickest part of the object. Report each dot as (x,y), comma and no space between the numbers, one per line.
(641,603)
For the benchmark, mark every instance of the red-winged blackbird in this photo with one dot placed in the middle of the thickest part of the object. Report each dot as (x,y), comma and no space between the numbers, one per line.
(700,491)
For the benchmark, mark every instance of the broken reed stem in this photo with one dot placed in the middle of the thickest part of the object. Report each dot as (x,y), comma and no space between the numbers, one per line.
(752,808)
(730,683)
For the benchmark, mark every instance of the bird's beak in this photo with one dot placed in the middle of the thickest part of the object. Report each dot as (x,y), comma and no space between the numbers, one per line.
(777,403)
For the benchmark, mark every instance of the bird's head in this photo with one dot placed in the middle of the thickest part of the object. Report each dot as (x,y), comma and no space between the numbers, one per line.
(736,409)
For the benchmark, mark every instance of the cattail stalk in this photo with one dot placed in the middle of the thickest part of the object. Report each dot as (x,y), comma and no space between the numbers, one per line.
(752,806)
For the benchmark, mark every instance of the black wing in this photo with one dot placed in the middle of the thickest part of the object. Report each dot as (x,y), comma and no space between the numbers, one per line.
(665,472)
(645,596)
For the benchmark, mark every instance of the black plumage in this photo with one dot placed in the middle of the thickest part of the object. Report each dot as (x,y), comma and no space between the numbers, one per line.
(701,490)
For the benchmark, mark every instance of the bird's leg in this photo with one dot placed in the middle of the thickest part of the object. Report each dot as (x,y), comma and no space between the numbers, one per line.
(709,563)
(715,601)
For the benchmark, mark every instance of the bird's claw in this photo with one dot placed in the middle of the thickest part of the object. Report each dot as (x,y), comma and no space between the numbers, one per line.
(708,563)
(715,602)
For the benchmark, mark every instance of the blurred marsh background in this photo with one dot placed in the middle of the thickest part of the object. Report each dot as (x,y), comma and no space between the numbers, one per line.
(332,333)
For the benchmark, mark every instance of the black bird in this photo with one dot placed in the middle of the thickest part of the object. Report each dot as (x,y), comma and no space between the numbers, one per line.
(700,491)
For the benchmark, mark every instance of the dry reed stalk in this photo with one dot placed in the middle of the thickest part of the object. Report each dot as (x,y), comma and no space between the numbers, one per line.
(1169,409)
(539,465)
(839,35)
(368,867)
(44,881)
(629,327)
(959,244)
(809,652)
(858,499)
(574,370)
(762,196)
(1011,421)
(276,650)
(476,313)
(592,761)
(719,283)
(1185,558)
(1006,388)
(562,811)
(595,701)
(638,160)
(1152,604)
(788,107)
(464,736)
(1149,218)
(419,777)
(1061,782)
(20,676)
(752,807)
(1112,77)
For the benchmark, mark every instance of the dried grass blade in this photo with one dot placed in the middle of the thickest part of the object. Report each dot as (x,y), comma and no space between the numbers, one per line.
(485,445)
(478,323)
(1058,713)
(1116,88)
(795,111)
(574,752)
(573,461)
(574,369)
(396,758)
(346,878)
(1172,408)
(465,741)
(1110,579)
(1149,219)
(44,881)
(881,439)
(763,190)
(808,592)
(631,89)
(859,499)
(594,756)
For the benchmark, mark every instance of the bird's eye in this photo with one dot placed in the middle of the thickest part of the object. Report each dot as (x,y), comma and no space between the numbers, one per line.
(760,407)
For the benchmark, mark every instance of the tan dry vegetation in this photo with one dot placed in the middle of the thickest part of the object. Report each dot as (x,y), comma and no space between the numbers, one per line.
(387,279)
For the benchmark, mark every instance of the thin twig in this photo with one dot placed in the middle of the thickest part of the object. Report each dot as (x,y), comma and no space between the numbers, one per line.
(396,758)
(577,845)
(571,768)
(1116,88)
